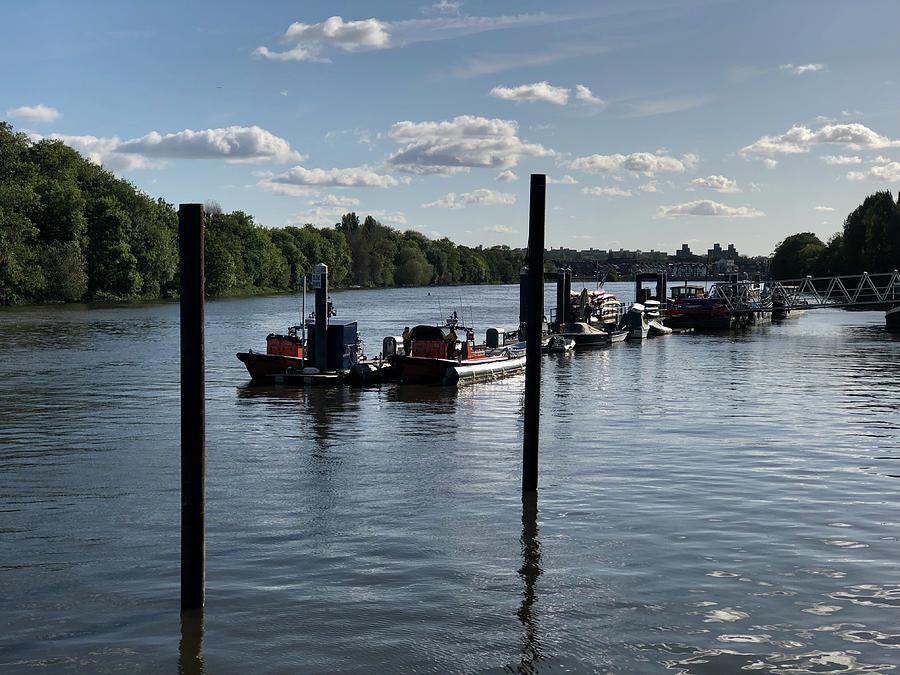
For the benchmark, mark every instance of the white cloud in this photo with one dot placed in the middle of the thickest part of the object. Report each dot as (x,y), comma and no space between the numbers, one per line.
(327,215)
(582,93)
(100,151)
(803,68)
(466,141)
(611,191)
(823,208)
(770,163)
(537,91)
(707,207)
(839,160)
(643,163)
(481,196)
(307,42)
(300,181)
(667,105)
(234,144)
(34,113)
(883,169)
(650,186)
(717,183)
(500,229)
(335,201)
(565,180)
(506,176)
(349,36)
(483,64)
(445,7)
(800,139)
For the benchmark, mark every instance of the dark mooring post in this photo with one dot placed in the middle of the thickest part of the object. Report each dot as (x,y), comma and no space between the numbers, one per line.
(533,327)
(320,283)
(523,297)
(193,409)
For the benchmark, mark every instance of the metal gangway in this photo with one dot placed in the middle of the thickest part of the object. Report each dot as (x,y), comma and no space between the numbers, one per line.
(880,291)
(852,290)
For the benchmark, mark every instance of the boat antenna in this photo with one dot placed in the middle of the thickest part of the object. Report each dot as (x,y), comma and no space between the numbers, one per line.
(440,312)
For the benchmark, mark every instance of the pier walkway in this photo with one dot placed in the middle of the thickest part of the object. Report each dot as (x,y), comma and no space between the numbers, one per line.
(879,291)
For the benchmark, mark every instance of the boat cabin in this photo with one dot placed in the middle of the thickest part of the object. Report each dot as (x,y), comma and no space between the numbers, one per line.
(687,292)
(285,345)
(432,342)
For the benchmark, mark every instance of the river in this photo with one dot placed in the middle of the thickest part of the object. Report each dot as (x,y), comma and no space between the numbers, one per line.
(708,503)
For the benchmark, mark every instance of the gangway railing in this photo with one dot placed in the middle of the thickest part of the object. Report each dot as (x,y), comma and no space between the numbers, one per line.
(852,290)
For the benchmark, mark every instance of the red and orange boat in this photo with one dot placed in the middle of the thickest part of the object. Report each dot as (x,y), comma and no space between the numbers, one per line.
(282,352)
(436,356)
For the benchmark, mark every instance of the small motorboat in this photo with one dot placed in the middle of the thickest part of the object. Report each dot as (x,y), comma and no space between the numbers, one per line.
(584,334)
(656,327)
(635,322)
(617,335)
(558,344)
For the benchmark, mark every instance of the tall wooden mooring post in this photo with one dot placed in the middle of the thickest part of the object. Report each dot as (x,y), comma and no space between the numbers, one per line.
(193,407)
(534,322)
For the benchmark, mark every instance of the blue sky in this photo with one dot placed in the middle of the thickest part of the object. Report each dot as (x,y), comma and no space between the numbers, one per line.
(660,122)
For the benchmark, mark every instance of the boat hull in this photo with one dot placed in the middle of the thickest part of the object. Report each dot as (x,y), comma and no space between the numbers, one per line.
(263,366)
(419,370)
(892,320)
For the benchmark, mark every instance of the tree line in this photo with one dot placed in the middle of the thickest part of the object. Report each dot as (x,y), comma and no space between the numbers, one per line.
(72,231)
(869,242)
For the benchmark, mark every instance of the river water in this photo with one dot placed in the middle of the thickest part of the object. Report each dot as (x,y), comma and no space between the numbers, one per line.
(708,503)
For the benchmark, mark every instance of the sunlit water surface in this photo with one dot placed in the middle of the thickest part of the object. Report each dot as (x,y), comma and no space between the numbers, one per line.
(708,503)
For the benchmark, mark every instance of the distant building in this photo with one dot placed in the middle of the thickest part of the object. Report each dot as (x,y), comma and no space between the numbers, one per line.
(684,253)
(718,253)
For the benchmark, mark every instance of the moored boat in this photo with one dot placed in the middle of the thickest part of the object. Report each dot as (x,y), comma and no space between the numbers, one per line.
(558,344)
(635,322)
(892,319)
(437,356)
(282,352)
(584,335)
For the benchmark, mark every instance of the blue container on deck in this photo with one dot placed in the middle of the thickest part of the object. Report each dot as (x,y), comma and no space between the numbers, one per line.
(341,340)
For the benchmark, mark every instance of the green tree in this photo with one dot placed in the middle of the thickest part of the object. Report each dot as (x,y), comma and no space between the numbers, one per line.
(413,269)
(796,256)
(65,271)
(112,267)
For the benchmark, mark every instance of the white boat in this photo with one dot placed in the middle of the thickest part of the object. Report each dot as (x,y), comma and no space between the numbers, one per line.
(656,327)
(651,309)
(635,322)
(584,334)
(558,344)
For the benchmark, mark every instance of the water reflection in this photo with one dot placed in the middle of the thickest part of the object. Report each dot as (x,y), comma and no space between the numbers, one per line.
(433,399)
(190,647)
(532,651)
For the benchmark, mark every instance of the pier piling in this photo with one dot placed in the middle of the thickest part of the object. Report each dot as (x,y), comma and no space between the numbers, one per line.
(523,297)
(534,321)
(320,283)
(193,408)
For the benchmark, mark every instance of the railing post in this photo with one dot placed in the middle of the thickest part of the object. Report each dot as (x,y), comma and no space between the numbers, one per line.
(193,409)
(533,329)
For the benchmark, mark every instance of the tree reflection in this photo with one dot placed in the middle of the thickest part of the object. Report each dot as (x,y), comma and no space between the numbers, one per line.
(532,652)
